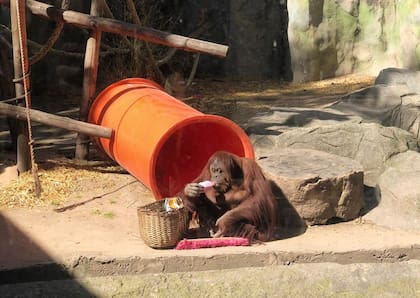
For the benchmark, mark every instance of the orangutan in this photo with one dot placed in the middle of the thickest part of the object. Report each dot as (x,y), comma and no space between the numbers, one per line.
(240,202)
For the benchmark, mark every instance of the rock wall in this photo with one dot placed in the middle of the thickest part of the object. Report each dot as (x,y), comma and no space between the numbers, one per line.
(330,38)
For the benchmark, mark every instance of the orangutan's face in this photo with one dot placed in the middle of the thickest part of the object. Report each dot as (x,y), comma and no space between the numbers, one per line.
(220,176)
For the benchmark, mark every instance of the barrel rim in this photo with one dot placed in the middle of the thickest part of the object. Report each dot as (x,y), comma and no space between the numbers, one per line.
(211,119)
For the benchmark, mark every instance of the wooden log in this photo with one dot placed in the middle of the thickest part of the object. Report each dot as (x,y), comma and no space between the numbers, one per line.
(23,157)
(118,27)
(56,121)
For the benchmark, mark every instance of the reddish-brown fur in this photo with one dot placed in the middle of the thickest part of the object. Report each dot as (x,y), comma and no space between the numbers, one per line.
(247,208)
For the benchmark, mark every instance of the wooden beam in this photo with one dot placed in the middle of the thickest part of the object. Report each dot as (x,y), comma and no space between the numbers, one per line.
(118,27)
(57,121)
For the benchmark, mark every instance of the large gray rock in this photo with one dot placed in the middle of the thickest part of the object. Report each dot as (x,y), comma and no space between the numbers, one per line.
(399,191)
(395,104)
(369,143)
(280,119)
(320,186)
(400,76)
(406,115)
(373,104)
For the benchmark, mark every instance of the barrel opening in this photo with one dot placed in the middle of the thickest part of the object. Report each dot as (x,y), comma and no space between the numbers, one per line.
(186,151)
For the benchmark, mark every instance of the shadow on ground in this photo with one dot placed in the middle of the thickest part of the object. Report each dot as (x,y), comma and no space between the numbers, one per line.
(16,246)
(290,224)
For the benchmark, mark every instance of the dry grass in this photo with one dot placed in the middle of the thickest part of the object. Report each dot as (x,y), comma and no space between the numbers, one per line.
(250,89)
(59,181)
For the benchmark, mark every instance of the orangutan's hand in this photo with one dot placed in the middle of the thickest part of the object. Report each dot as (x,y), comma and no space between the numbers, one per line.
(193,190)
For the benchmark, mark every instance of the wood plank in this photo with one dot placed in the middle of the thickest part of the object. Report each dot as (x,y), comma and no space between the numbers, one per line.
(56,121)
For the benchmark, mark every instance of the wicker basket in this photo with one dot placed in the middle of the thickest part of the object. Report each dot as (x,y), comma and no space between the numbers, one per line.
(160,228)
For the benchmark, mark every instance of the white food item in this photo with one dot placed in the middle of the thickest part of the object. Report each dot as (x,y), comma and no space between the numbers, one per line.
(206,184)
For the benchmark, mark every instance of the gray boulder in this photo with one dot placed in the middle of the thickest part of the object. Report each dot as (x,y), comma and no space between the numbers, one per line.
(406,115)
(373,104)
(280,119)
(321,187)
(399,193)
(393,101)
(369,143)
(400,76)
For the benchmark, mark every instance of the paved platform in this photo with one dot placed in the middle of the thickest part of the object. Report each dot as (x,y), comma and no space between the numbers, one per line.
(44,254)
(42,245)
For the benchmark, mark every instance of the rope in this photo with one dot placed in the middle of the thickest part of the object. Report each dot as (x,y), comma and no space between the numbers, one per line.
(65,4)
(25,78)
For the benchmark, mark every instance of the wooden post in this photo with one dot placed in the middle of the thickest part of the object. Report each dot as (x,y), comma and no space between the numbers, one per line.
(89,82)
(22,147)
(97,25)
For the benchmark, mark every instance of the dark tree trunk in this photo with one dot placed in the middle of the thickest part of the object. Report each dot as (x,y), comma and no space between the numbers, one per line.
(259,47)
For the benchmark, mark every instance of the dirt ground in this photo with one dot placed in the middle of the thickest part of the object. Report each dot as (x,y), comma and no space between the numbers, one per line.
(89,208)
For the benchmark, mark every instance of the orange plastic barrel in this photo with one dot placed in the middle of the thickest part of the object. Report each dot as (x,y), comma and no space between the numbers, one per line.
(157,138)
